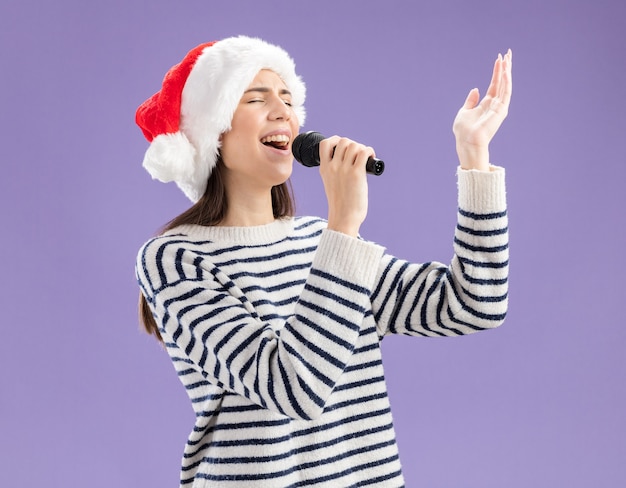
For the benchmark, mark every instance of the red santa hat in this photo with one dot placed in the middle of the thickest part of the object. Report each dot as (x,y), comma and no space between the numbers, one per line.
(184,120)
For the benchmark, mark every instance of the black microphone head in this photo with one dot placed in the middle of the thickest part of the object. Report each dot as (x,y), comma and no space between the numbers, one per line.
(305,148)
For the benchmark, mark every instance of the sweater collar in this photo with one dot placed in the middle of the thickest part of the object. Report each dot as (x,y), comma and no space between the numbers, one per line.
(252,235)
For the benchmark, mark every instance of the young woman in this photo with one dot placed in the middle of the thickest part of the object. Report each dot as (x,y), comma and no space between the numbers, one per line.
(274,322)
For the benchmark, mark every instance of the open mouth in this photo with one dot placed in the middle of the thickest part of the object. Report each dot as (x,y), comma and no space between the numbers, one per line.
(279,141)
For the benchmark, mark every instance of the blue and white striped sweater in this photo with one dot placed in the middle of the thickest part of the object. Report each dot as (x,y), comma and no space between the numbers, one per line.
(275,333)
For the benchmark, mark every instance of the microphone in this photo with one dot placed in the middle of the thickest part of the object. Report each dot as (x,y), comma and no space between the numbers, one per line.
(306,150)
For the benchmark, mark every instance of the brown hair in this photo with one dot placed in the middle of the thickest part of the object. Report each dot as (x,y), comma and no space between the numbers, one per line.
(211,210)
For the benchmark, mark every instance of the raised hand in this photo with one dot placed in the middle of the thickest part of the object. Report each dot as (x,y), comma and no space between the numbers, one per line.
(476,123)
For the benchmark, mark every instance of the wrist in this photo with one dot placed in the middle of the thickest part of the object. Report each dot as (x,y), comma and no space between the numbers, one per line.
(347,230)
(343,226)
(473,157)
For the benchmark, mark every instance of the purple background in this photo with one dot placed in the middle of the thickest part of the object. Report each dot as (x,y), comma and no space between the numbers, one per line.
(88,400)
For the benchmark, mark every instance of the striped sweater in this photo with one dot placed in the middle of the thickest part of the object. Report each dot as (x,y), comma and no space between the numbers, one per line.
(275,333)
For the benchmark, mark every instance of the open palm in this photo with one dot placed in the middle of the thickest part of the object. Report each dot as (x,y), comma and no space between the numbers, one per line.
(477,121)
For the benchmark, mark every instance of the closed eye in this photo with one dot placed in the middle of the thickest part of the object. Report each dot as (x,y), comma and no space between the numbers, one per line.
(263,89)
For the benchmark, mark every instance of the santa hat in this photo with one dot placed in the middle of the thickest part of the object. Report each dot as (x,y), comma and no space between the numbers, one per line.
(184,120)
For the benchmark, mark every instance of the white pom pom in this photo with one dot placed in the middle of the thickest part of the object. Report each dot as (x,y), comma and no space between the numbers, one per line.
(170,157)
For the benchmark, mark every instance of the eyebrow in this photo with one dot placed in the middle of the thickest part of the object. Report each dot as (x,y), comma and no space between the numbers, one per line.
(264,89)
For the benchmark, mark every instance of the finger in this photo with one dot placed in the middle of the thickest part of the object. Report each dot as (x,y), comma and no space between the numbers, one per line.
(506,88)
(358,154)
(472,99)
(363,156)
(496,76)
(341,149)
(509,70)
(327,148)
(503,71)
(508,59)
(352,154)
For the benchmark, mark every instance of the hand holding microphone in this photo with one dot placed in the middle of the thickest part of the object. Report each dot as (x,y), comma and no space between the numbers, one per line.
(306,150)
(343,171)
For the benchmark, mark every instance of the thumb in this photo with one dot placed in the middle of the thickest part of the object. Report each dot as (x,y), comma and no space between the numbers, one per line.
(472,99)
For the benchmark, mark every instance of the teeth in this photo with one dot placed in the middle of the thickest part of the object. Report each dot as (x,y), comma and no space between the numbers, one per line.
(275,138)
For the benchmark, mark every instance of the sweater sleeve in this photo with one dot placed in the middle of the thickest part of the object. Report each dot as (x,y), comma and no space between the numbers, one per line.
(432,299)
(208,323)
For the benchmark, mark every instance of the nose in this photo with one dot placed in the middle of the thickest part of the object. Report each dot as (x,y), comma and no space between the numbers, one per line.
(279,110)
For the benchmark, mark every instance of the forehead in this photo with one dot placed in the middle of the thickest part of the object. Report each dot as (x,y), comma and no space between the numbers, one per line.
(269,78)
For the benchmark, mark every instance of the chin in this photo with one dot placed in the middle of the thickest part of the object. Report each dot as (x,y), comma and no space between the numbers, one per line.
(285,171)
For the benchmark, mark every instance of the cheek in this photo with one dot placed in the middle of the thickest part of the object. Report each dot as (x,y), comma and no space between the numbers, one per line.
(228,148)
(232,139)
(295,125)
(294,119)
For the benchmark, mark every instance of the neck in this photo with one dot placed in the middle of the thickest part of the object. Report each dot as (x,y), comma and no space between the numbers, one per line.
(247,208)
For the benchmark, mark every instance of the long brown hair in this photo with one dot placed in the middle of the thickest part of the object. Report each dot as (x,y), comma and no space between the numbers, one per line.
(211,210)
